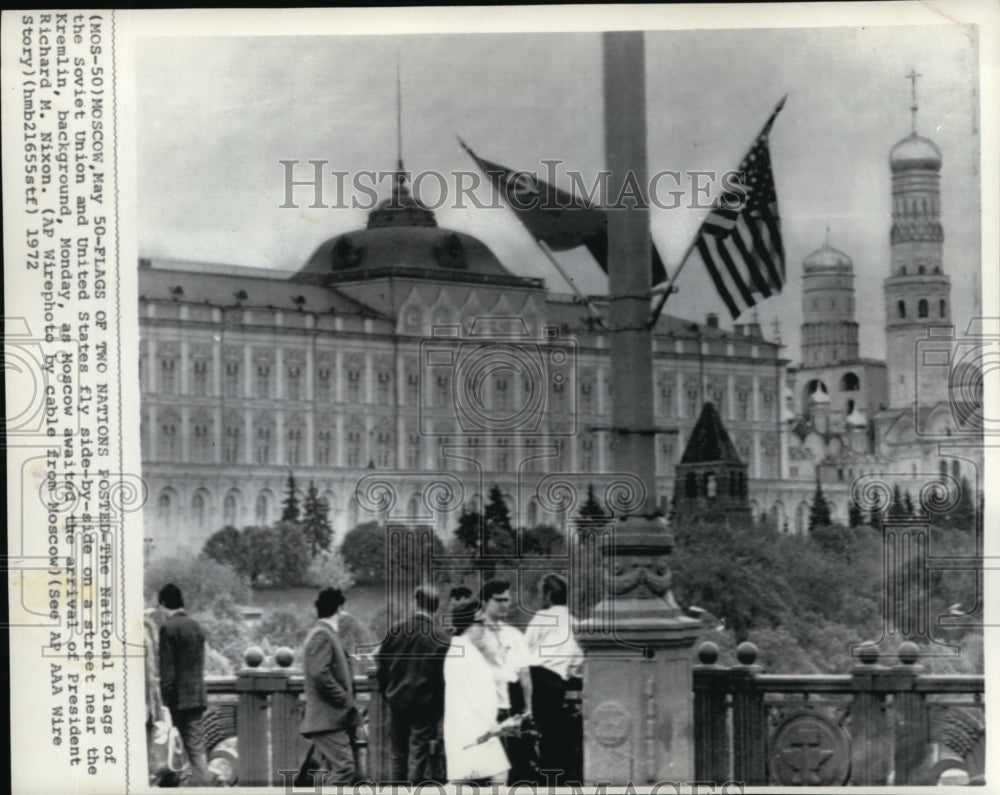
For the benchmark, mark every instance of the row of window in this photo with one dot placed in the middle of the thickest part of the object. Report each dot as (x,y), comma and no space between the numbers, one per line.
(923,308)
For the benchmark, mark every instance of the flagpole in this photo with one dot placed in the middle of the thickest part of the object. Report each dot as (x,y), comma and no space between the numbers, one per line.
(544,247)
(583,299)
(670,285)
(694,242)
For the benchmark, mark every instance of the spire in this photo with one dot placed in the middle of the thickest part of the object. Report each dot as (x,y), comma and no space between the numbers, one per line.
(826,242)
(399,189)
(912,77)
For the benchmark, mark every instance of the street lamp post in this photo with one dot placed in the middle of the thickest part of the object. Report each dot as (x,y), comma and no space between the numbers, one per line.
(638,688)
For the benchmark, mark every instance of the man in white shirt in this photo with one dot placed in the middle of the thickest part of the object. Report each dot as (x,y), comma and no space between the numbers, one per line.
(504,648)
(555,658)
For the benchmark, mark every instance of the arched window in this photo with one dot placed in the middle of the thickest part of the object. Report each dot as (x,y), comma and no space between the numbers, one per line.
(710,485)
(229,509)
(956,470)
(941,307)
(922,308)
(261,509)
(921,269)
(691,485)
(943,466)
(850,383)
(901,308)
(198,510)
(902,270)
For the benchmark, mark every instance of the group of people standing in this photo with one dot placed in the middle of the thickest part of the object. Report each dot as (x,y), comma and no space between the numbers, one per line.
(493,694)
(489,690)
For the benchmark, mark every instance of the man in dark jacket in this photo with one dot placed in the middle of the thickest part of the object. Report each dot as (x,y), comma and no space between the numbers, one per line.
(411,678)
(182,678)
(331,712)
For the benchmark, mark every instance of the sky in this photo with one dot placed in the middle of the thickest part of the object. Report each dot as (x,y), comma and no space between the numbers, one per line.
(216,115)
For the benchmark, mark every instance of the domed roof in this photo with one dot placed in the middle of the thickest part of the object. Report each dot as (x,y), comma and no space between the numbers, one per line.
(402,237)
(915,152)
(819,397)
(827,258)
(856,419)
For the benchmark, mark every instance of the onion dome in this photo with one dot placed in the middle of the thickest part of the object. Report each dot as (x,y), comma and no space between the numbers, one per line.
(827,258)
(819,397)
(915,152)
(856,419)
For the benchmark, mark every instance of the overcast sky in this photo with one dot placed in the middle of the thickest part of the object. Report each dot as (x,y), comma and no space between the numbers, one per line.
(216,115)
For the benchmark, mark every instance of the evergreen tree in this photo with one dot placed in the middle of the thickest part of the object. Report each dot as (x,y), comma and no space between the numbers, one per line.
(468,531)
(908,508)
(963,517)
(591,508)
(499,531)
(316,522)
(819,510)
(854,517)
(897,508)
(290,507)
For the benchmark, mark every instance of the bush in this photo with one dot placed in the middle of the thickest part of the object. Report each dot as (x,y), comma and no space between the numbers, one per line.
(201,580)
(283,628)
(363,550)
(329,570)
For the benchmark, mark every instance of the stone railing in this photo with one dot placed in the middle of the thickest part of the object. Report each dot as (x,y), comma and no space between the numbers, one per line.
(880,724)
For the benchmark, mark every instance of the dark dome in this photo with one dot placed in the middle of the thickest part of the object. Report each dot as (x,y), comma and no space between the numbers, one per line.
(402,235)
(915,152)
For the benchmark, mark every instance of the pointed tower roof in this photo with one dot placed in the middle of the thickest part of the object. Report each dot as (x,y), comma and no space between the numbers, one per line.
(709,441)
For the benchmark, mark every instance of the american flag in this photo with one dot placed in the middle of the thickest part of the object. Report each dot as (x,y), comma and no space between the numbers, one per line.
(740,240)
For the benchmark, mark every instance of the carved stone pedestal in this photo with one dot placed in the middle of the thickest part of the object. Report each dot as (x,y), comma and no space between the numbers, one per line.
(637,695)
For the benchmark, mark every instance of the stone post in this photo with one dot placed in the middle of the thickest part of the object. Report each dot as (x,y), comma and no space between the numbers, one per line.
(637,693)
(870,682)
(749,721)
(911,715)
(254,686)
(711,730)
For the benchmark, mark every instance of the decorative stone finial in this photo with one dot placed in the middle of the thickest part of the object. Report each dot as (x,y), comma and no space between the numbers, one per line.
(284,657)
(868,653)
(253,657)
(908,652)
(746,653)
(708,653)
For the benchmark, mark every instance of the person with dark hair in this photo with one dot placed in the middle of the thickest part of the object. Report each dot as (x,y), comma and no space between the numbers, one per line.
(473,749)
(331,712)
(182,679)
(411,678)
(555,658)
(504,648)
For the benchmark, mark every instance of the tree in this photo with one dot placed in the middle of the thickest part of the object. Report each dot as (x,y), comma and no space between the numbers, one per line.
(897,508)
(364,550)
(854,517)
(819,510)
(469,531)
(542,540)
(908,508)
(257,553)
(224,546)
(290,507)
(591,508)
(316,522)
(290,557)
(500,539)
